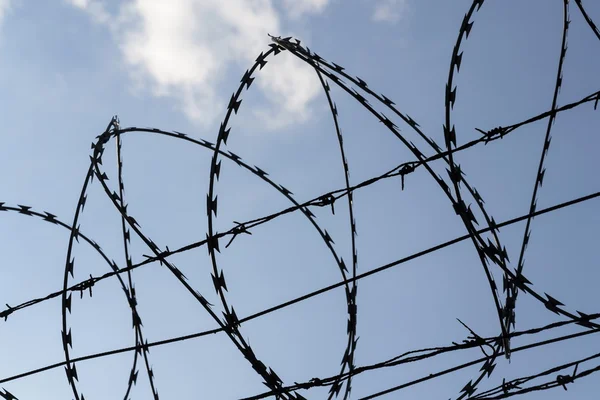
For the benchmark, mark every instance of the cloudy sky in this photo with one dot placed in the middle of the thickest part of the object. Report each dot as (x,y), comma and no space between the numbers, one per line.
(68,66)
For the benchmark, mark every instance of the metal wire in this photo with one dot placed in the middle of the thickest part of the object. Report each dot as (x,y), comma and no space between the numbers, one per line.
(485,239)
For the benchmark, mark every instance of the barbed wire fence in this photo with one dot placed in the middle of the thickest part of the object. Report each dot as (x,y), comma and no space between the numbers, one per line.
(482,232)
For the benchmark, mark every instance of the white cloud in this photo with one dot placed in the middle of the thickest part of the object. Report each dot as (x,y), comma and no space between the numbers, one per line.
(4,7)
(95,9)
(290,92)
(182,49)
(296,8)
(389,10)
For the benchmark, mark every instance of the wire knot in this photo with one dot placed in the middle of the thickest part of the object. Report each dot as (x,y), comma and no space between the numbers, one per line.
(326,200)
(240,228)
(86,285)
(563,380)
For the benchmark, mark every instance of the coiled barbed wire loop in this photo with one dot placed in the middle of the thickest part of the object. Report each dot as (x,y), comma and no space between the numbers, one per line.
(465,202)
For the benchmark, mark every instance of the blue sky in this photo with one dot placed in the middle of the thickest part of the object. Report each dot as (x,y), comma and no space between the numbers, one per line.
(67,67)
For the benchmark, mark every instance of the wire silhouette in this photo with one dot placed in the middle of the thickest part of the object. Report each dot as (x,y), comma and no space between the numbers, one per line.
(484,238)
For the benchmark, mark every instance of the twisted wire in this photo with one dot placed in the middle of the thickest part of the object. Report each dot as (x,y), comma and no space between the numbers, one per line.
(485,240)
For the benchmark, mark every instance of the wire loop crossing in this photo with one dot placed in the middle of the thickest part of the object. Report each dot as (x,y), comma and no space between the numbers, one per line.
(482,231)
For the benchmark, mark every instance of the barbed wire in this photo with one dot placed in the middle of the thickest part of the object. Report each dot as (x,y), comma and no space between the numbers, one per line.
(485,238)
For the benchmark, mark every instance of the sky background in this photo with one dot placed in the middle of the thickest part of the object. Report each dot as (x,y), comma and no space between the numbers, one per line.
(66,67)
